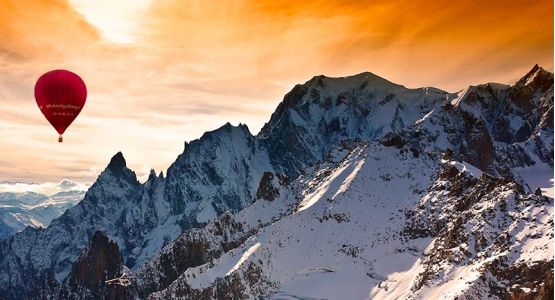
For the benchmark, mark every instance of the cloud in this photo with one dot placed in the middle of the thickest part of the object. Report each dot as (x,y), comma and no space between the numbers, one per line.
(411,42)
(45,188)
(35,28)
(198,64)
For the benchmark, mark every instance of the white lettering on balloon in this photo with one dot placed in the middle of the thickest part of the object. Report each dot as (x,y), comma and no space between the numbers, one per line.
(63,106)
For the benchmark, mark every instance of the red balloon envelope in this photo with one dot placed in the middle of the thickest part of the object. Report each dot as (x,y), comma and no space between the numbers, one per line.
(60,95)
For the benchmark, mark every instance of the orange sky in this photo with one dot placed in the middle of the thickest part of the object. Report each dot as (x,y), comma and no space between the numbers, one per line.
(162,72)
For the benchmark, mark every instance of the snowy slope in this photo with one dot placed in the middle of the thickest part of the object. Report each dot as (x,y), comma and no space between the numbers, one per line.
(336,233)
(381,224)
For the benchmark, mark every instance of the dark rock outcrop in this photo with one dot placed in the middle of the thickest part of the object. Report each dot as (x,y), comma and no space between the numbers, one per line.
(393,140)
(464,221)
(101,261)
(268,188)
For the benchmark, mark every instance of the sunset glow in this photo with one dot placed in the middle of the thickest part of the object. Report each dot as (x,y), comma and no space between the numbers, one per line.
(116,20)
(160,73)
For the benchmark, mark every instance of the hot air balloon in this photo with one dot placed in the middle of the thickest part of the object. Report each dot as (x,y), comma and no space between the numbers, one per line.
(60,95)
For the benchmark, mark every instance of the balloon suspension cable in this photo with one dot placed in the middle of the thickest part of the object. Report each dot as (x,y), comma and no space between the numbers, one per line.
(60,138)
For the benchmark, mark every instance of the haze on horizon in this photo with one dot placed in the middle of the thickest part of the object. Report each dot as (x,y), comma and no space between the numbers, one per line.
(163,72)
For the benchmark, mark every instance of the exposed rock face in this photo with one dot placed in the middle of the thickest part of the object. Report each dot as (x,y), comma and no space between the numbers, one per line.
(268,188)
(393,140)
(227,161)
(477,146)
(117,165)
(529,281)
(192,249)
(239,285)
(362,173)
(99,262)
(523,93)
(475,225)
(497,127)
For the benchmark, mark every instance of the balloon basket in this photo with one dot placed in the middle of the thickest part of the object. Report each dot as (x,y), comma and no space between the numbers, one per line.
(60,139)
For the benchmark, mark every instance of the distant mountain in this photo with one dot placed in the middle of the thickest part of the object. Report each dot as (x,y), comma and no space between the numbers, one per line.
(356,188)
(19,210)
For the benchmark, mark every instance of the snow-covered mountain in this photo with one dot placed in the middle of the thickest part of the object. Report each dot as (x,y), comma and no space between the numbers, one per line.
(356,188)
(19,210)
(370,223)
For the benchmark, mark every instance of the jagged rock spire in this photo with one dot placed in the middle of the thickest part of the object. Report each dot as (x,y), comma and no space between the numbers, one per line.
(117,163)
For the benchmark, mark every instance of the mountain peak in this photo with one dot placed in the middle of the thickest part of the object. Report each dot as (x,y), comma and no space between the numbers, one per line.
(358,81)
(537,76)
(117,163)
(151,175)
(328,91)
(225,130)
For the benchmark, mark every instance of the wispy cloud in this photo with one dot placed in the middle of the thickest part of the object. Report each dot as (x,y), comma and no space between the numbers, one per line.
(45,188)
(193,65)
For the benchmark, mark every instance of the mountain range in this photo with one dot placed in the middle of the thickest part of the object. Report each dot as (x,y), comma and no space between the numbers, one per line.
(356,188)
(21,209)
